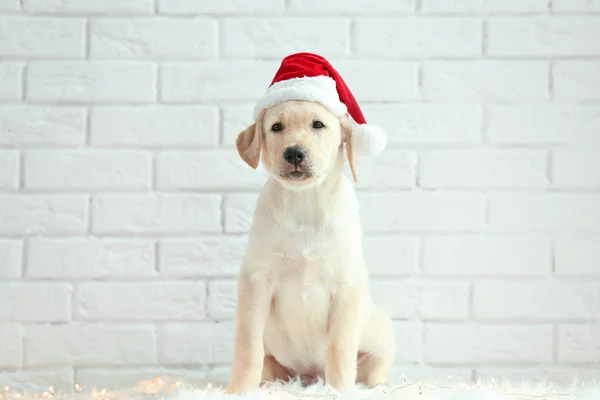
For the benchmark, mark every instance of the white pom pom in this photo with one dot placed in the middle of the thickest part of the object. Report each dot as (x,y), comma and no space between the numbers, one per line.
(368,140)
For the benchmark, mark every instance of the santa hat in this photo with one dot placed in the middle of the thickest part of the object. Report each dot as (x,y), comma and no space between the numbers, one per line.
(310,77)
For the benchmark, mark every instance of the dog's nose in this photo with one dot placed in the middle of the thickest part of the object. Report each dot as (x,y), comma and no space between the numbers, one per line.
(295,155)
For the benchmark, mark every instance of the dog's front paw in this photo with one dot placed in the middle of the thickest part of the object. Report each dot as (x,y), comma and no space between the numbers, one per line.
(238,388)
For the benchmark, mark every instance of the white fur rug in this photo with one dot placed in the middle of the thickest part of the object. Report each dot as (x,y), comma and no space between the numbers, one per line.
(165,388)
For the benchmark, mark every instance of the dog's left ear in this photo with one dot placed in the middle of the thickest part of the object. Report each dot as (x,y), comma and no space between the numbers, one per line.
(248,142)
(347,130)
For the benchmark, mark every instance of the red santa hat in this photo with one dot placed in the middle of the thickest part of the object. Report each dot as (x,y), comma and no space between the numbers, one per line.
(310,77)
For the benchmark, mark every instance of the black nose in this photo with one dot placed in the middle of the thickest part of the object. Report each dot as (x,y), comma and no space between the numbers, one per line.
(295,155)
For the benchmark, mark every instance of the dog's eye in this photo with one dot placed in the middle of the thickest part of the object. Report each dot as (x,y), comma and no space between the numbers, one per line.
(318,125)
(277,127)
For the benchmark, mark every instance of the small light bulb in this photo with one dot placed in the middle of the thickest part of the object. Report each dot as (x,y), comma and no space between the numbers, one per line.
(77,387)
(103,392)
(6,388)
(18,395)
(160,381)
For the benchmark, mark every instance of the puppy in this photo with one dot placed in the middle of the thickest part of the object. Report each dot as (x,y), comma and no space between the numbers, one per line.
(304,306)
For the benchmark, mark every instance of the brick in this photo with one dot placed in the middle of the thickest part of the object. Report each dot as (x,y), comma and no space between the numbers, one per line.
(579,344)
(543,124)
(396,169)
(239,210)
(9,170)
(485,81)
(576,80)
(482,168)
(360,7)
(483,6)
(35,302)
(578,255)
(235,120)
(391,255)
(576,168)
(380,81)
(487,256)
(203,343)
(219,375)
(9,5)
(188,170)
(202,257)
(278,37)
(11,352)
(128,377)
(418,37)
(91,82)
(10,259)
(222,299)
(84,344)
(414,373)
(452,344)
(42,37)
(409,341)
(22,125)
(543,36)
(220,7)
(38,380)
(89,258)
(155,126)
(575,5)
(427,123)
(87,169)
(89,7)
(421,212)
(216,81)
(557,375)
(43,214)
(424,300)
(536,301)
(10,82)
(164,301)
(153,38)
(155,213)
(545,211)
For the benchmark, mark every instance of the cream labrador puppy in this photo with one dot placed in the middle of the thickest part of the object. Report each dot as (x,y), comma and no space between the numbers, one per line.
(304,306)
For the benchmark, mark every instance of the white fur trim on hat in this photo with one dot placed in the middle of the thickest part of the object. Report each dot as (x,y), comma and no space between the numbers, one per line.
(320,89)
(368,140)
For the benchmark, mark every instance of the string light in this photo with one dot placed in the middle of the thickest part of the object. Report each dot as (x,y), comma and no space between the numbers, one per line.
(407,390)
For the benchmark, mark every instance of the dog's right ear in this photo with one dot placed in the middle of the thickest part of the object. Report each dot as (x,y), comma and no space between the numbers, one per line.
(248,142)
(351,155)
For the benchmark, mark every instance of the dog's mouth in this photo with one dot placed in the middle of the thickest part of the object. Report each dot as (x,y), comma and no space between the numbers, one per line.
(296,174)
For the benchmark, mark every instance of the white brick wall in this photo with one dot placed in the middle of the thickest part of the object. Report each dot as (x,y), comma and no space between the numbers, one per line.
(124,208)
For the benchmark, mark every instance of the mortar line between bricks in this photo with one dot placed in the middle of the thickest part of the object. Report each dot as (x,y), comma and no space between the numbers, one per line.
(21,171)
(87,39)
(24,258)
(157,251)
(484,37)
(221,128)
(291,13)
(268,60)
(88,126)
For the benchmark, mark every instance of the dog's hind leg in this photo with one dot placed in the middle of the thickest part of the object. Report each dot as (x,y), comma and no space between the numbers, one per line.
(273,371)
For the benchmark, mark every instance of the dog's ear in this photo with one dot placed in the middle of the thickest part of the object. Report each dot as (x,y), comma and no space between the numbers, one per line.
(347,129)
(248,142)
